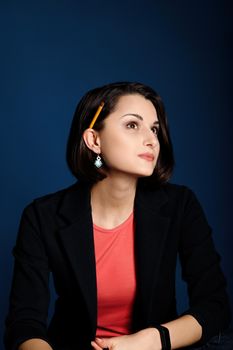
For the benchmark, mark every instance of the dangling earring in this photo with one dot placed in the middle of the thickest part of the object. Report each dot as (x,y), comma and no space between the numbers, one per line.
(98,162)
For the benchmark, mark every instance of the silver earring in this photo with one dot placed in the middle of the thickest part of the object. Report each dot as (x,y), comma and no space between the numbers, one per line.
(98,162)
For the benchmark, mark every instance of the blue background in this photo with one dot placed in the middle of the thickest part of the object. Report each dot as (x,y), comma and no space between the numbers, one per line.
(52,52)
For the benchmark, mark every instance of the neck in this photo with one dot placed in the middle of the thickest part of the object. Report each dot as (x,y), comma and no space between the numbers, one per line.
(112,200)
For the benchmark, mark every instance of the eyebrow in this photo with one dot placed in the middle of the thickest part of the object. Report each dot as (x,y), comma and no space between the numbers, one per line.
(156,122)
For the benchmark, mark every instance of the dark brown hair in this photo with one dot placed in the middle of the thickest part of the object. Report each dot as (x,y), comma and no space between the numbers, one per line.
(80,158)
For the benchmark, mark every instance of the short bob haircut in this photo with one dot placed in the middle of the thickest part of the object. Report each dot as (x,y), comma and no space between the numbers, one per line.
(81,159)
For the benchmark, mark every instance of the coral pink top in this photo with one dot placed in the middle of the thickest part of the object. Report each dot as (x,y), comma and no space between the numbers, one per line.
(116,281)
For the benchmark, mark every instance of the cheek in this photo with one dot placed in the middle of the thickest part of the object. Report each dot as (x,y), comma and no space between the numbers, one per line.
(114,145)
(158,148)
(114,154)
(157,151)
(118,153)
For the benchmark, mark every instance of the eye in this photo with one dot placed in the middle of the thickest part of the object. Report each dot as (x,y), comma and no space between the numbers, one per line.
(155,130)
(132,125)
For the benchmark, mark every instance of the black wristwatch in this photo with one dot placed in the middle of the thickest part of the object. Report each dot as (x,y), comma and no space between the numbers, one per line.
(164,336)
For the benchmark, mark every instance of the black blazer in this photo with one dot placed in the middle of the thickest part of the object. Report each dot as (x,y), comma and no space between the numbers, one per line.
(56,235)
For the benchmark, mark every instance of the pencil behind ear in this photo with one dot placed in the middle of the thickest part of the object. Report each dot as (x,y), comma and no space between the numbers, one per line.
(96,115)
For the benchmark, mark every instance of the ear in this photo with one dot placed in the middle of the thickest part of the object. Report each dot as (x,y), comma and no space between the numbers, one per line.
(92,140)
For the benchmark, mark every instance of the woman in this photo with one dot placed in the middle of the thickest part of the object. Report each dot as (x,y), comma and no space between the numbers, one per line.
(112,239)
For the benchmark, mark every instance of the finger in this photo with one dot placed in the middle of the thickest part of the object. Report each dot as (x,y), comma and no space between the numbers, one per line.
(95,346)
(104,343)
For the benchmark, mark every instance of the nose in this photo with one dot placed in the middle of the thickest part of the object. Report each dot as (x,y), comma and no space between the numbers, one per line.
(150,139)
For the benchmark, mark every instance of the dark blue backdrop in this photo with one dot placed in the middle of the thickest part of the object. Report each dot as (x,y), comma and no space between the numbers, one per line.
(53,51)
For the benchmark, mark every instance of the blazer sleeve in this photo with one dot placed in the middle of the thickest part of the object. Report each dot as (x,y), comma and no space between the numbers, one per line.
(201,270)
(29,296)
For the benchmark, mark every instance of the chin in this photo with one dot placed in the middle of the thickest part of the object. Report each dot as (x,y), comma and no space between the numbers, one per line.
(146,174)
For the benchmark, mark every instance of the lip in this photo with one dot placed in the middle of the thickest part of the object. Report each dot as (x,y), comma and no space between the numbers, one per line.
(147,156)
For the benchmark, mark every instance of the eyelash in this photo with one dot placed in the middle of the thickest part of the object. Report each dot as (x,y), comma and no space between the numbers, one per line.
(156,129)
(131,123)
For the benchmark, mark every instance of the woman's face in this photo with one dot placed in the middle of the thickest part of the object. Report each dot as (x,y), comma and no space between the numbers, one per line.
(128,141)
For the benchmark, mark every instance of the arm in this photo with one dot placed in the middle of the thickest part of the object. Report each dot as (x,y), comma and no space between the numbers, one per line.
(184,331)
(35,344)
(201,270)
(29,297)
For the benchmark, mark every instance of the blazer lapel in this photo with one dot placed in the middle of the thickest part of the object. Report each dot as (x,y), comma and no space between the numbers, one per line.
(150,235)
(151,227)
(78,243)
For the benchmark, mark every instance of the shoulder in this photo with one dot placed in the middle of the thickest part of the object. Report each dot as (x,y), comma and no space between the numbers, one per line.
(54,210)
(52,202)
(172,199)
(179,192)
(183,197)
(184,202)
(173,189)
(168,193)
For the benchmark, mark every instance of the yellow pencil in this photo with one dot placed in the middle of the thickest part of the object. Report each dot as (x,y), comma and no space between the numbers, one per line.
(96,115)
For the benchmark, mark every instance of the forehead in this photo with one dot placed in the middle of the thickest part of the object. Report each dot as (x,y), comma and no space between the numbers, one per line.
(136,104)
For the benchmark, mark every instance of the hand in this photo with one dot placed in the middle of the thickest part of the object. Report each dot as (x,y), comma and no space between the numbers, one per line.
(146,339)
